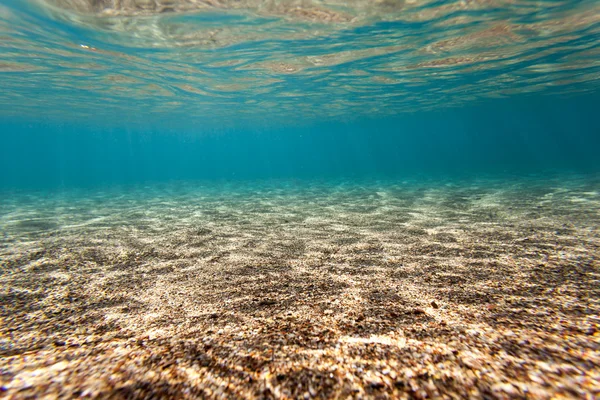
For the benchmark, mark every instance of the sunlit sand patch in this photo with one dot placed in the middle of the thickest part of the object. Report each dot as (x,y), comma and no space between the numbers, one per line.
(385,340)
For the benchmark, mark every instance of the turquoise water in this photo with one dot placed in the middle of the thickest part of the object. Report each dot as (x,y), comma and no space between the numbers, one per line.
(96,93)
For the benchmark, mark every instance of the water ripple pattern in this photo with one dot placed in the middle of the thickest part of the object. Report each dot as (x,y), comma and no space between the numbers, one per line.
(225,60)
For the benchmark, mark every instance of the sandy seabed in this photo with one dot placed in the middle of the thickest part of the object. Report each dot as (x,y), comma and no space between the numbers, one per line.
(479,289)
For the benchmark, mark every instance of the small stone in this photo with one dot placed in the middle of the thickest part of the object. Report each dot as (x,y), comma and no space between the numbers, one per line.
(471,361)
(377,384)
(505,388)
(59,343)
(434,304)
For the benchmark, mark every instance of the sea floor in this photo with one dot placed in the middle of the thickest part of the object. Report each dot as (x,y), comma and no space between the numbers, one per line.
(415,289)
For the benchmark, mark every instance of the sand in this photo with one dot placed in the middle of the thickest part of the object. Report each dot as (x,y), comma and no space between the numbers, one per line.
(479,289)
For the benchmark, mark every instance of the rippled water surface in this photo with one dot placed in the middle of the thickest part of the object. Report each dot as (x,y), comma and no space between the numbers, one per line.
(287,60)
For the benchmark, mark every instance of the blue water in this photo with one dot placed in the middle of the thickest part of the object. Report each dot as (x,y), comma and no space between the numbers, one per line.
(516,137)
(125,95)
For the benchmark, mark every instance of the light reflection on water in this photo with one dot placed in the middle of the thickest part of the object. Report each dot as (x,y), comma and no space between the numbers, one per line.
(288,60)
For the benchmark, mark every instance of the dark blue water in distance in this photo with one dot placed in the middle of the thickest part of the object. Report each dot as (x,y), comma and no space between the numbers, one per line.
(528,135)
(532,134)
